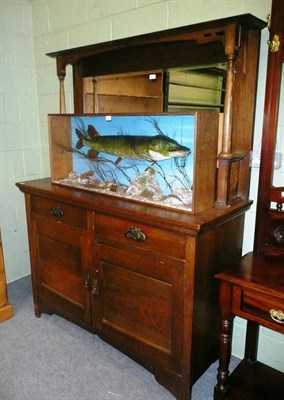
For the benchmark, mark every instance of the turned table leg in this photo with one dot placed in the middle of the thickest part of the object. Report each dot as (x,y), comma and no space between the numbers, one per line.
(225,341)
(251,341)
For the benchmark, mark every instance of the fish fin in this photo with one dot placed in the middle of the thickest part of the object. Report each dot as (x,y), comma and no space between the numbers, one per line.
(118,161)
(80,136)
(92,154)
(92,132)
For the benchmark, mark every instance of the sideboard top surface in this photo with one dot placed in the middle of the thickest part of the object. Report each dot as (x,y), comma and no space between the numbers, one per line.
(183,222)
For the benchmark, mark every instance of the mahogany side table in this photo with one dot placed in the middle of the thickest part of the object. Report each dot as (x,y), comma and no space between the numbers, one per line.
(254,290)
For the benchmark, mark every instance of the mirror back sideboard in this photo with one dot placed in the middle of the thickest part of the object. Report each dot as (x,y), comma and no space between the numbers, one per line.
(141,276)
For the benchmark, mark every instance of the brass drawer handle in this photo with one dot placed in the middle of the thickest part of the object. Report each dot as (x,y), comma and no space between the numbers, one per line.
(135,233)
(277,316)
(57,212)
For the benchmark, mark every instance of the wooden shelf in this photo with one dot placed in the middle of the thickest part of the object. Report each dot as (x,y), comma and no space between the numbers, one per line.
(255,381)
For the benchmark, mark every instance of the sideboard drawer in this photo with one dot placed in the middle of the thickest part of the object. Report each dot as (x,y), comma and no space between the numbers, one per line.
(266,310)
(60,211)
(125,232)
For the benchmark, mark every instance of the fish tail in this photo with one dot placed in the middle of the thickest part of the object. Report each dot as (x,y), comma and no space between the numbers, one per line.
(80,142)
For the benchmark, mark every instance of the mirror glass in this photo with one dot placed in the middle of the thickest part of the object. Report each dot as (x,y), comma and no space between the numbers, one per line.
(172,90)
(278,173)
(197,88)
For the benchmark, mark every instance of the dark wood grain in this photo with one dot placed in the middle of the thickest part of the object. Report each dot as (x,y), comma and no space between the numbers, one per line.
(155,299)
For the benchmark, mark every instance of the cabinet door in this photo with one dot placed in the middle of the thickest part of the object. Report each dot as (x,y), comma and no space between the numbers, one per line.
(140,305)
(61,265)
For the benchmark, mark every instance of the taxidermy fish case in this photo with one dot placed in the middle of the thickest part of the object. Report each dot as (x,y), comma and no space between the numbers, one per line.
(162,159)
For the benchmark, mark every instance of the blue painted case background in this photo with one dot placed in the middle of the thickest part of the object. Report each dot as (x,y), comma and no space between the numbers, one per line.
(170,176)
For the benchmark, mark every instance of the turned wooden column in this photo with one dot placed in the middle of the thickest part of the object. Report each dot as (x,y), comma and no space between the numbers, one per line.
(6,310)
(229,161)
(62,103)
(61,73)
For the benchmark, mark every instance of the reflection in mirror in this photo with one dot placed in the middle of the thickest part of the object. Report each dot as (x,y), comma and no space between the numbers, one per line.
(156,91)
(278,173)
(134,92)
(196,88)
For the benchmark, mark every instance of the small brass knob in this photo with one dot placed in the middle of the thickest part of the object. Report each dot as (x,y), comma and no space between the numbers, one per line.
(95,287)
(278,234)
(87,282)
(274,44)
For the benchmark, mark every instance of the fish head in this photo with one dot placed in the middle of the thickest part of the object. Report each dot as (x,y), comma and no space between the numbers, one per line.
(163,148)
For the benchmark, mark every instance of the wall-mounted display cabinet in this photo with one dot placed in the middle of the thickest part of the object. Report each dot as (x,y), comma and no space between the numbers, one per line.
(140,273)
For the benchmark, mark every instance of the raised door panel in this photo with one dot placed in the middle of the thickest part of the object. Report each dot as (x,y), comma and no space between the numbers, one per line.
(141,305)
(62,269)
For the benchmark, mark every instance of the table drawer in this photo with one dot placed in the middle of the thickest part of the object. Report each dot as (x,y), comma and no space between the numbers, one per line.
(264,309)
(60,211)
(125,232)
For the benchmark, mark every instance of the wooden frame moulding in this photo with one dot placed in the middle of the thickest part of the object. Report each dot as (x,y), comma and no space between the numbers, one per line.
(222,40)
